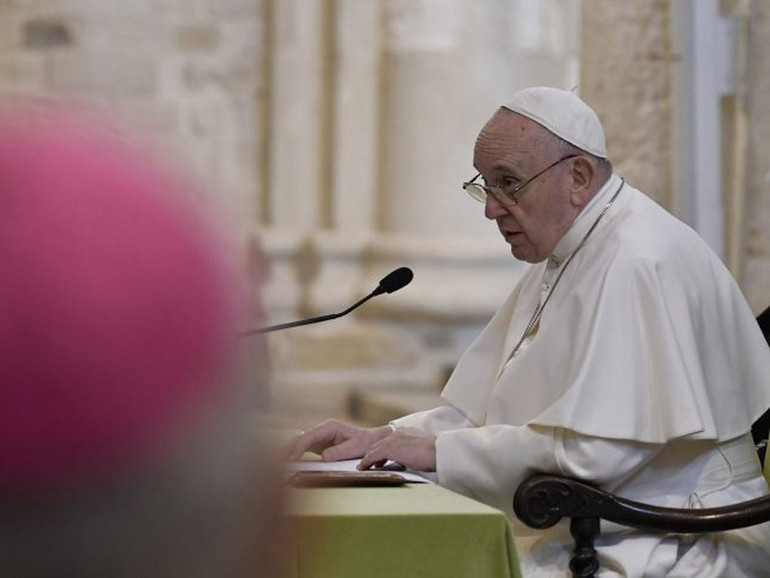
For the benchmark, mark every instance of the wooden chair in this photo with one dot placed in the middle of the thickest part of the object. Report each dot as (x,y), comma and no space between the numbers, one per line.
(544,499)
(761,427)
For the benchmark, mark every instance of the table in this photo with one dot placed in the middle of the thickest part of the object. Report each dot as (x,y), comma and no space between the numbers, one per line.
(416,530)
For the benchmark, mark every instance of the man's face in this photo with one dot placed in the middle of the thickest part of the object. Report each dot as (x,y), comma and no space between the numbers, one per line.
(509,150)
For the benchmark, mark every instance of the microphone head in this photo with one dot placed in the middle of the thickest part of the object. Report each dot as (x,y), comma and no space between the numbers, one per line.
(395,280)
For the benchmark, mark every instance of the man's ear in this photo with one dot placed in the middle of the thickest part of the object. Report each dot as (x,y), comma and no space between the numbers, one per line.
(582,176)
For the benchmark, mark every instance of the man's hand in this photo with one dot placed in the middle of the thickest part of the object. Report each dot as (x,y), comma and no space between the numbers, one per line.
(413,448)
(336,440)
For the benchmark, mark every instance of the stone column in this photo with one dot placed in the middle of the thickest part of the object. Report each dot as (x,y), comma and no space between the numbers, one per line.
(756,264)
(356,114)
(626,74)
(296,115)
(448,66)
(355,85)
(296,130)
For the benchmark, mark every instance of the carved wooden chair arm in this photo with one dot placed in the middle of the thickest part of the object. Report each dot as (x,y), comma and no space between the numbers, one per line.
(542,500)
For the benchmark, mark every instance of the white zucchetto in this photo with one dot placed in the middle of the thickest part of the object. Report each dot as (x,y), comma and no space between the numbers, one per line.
(564,114)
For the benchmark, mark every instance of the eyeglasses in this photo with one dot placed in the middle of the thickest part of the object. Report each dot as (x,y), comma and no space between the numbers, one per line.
(506,196)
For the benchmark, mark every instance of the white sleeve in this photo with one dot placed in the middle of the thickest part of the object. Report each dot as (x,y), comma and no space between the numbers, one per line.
(435,421)
(488,463)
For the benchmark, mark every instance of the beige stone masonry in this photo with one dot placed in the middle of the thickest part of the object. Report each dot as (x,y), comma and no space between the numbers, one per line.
(626,75)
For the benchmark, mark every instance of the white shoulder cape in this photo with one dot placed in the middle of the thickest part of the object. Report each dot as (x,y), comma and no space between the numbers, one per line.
(646,338)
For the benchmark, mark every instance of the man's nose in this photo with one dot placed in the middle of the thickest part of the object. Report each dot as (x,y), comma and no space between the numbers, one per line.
(492,208)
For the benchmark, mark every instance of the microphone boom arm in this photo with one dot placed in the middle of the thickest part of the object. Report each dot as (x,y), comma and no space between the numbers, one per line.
(393,281)
(328,317)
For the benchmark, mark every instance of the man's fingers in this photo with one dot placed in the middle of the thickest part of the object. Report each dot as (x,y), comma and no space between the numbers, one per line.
(415,452)
(336,440)
(377,455)
(347,450)
(316,440)
(300,446)
(290,447)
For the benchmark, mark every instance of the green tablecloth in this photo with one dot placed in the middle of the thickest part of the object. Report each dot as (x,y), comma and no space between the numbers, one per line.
(417,530)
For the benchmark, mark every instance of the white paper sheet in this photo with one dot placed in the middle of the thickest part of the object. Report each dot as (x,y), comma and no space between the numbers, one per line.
(350,466)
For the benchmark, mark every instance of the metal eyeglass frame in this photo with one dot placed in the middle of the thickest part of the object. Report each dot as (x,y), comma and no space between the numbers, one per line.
(506,198)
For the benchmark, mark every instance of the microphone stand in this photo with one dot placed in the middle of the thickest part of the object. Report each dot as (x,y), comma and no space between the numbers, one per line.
(271,328)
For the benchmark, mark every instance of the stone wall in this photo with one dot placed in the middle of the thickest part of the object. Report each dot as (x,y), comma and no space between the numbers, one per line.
(186,70)
(756,263)
(626,76)
(637,73)
(339,131)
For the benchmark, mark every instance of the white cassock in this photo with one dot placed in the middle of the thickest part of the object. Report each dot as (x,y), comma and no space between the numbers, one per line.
(644,377)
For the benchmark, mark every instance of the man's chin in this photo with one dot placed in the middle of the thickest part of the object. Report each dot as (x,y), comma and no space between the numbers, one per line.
(522,254)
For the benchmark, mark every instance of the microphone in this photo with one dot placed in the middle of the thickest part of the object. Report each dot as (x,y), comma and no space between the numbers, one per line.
(393,281)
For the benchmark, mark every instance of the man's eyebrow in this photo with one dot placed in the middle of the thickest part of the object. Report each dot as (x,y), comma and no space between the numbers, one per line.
(502,166)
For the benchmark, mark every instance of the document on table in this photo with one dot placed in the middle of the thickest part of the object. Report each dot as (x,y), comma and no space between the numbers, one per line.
(350,466)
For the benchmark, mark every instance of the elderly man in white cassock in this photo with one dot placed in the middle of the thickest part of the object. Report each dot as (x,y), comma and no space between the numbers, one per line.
(626,356)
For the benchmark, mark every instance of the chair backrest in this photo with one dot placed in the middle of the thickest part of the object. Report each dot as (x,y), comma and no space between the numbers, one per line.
(764,323)
(761,427)
(767,471)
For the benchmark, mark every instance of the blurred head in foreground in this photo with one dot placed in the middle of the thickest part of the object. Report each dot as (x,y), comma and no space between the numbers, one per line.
(124,443)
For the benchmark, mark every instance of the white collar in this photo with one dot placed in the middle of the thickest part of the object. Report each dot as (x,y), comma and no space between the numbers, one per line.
(585,219)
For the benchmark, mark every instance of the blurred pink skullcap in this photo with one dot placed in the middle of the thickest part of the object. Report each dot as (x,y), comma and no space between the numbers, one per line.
(115,304)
